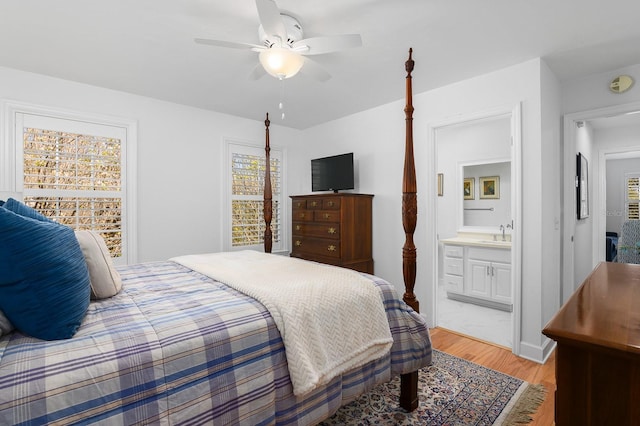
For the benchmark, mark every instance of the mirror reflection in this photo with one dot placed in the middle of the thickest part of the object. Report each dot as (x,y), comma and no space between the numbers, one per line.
(486,194)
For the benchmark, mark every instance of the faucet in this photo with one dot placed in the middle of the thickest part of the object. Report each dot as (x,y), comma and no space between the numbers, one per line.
(503,228)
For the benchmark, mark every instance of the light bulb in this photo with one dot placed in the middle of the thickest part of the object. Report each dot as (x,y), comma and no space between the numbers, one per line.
(281,62)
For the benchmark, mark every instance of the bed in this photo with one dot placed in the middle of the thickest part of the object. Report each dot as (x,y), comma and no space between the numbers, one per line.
(194,339)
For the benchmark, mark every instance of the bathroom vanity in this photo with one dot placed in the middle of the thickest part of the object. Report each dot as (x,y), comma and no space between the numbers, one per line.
(477,269)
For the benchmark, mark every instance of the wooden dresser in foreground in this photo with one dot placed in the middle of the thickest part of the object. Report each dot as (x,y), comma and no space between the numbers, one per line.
(333,229)
(598,353)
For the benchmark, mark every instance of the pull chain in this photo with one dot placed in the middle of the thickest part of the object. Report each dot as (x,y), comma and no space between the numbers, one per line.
(281,105)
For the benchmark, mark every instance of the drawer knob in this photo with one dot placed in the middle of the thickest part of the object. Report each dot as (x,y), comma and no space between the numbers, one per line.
(314,203)
(298,243)
(327,215)
(301,215)
(331,231)
(299,204)
(330,203)
(298,227)
(331,248)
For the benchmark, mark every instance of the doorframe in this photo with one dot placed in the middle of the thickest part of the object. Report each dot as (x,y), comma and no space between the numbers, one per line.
(515,113)
(570,122)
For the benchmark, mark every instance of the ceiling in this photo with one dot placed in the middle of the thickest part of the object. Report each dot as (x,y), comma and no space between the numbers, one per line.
(146,47)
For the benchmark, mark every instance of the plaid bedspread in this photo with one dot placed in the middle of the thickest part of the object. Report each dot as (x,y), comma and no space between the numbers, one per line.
(175,347)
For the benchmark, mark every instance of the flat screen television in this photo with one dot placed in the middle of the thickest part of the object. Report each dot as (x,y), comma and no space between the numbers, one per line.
(333,173)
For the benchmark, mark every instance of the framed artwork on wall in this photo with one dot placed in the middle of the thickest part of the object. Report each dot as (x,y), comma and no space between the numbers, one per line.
(490,187)
(582,186)
(468,188)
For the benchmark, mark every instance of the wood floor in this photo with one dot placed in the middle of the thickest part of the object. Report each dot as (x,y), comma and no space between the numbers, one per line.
(501,359)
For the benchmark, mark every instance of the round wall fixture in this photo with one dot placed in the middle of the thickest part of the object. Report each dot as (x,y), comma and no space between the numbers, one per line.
(621,84)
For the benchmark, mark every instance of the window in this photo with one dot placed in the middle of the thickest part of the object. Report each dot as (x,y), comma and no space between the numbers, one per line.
(632,199)
(75,179)
(73,169)
(247,168)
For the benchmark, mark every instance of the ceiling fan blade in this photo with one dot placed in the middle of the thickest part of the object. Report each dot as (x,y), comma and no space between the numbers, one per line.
(313,69)
(271,20)
(231,44)
(257,72)
(327,44)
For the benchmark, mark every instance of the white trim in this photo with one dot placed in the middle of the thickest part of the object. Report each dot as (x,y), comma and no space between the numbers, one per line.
(515,113)
(9,163)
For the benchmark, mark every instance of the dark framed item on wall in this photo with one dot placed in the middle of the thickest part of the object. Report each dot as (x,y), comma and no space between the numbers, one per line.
(582,186)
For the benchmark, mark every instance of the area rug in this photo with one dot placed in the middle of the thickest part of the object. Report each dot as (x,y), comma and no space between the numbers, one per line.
(452,391)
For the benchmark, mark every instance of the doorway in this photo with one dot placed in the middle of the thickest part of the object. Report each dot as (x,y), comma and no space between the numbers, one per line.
(461,146)
(584,240)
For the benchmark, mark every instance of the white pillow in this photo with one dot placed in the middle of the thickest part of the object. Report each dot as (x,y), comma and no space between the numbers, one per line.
(5,326)
(105,279)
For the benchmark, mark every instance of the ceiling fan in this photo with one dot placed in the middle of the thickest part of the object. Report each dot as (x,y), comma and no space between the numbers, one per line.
(284,51)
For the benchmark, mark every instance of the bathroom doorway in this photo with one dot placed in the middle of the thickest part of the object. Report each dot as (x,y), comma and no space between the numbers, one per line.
(486,145)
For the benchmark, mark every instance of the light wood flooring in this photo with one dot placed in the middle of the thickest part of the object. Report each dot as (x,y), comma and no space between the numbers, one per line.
(501,359)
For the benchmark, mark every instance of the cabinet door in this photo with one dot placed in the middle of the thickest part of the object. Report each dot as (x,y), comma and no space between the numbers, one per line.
(478,276)
(501,284)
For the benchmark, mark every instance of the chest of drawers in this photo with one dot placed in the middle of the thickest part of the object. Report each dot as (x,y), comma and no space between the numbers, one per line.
(333,229)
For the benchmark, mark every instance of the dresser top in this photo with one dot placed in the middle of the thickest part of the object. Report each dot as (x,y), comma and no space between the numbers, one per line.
(604,311)
(331,194)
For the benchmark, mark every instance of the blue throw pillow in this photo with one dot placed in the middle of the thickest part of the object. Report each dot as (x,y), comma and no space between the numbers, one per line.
(44,281)
(24,210)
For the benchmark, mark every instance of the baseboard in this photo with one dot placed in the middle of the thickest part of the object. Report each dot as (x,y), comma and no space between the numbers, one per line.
(535,353)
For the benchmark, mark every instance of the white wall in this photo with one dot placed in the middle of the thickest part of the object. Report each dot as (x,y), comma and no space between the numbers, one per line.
(377,138)
(551,207)
(592,92)
(180,158)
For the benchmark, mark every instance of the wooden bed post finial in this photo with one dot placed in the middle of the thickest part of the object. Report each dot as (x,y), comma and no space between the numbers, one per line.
(409,198)
(409,381)
(268,194)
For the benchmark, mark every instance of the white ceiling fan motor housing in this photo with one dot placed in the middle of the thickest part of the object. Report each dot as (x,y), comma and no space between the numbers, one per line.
(292,27)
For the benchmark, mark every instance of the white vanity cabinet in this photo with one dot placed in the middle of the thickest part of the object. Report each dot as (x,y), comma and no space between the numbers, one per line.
(453,268)
(477,274)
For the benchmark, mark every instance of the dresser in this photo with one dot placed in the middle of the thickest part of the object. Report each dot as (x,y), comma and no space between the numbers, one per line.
(333,229)
(598,353)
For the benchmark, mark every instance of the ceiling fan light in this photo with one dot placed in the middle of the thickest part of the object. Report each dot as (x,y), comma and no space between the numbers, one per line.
(281,62)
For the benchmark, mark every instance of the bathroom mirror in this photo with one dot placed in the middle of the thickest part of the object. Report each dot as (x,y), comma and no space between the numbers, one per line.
(486,194)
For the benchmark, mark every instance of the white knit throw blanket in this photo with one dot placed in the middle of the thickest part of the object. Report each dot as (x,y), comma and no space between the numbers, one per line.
(331,319)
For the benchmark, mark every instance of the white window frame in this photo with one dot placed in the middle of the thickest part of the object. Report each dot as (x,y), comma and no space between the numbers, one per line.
(11,183)
(247,147)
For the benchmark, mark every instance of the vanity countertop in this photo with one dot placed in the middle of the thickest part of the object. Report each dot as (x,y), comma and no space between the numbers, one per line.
(479,241)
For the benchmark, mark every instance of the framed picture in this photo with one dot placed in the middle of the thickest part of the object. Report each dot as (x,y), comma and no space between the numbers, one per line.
(468,188)
(490,187)
(440,184)
(582,186)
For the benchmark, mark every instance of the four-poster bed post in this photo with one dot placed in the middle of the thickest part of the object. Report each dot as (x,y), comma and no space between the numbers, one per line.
(409,381)
(268,196)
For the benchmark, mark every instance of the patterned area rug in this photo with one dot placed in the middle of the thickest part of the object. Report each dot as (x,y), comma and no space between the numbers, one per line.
(452,391)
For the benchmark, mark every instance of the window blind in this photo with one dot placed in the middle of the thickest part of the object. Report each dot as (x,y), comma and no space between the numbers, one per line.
(247,189)
(76,180)
(632,202)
